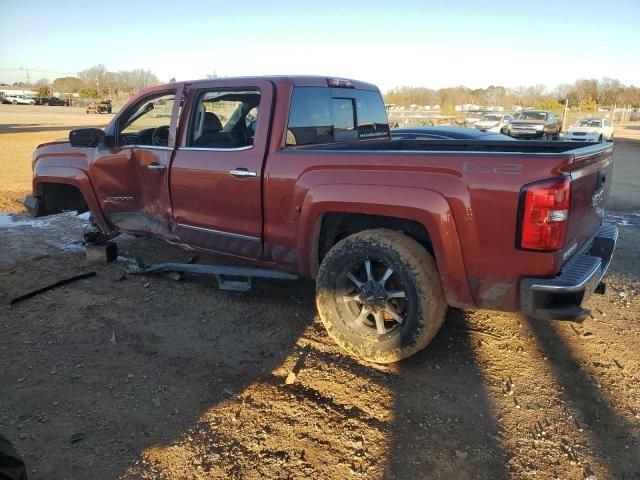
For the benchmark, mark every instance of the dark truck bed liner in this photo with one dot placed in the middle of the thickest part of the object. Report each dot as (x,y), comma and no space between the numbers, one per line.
(455,146)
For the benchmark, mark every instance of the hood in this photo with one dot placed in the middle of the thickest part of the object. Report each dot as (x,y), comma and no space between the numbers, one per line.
(486,123)
(584,129)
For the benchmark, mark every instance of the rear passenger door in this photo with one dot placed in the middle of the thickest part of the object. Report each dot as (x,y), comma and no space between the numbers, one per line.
(216,174)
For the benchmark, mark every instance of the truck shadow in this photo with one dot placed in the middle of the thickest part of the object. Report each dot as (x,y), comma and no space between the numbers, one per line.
(427,416)
(445,424)
(612,437)
(167,379)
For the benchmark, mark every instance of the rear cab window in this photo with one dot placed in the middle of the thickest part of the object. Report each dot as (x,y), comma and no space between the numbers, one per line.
(320,115)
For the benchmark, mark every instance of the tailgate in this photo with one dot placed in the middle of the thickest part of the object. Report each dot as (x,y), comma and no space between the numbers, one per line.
(591,174)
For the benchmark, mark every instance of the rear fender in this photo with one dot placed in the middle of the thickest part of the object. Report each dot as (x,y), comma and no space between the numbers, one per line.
(426,207)
(77,178)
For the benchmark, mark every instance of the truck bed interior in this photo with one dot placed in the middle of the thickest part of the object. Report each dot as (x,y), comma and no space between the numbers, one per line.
(417,145)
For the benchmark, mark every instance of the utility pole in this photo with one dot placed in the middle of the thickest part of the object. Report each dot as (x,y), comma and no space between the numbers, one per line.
(564,116)
(613,114)
(28,79)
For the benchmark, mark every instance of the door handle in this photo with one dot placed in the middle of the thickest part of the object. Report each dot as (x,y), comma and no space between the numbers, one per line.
(242,172)
(156,167)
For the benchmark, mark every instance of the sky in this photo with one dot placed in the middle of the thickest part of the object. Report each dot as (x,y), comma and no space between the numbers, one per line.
(393,43)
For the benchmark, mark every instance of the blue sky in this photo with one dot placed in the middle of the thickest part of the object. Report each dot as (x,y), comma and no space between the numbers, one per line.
(420,43)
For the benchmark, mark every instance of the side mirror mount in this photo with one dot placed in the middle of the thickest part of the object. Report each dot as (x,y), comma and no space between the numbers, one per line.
(86,137)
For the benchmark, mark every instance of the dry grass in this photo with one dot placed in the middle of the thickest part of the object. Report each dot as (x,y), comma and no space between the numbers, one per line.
(22,129)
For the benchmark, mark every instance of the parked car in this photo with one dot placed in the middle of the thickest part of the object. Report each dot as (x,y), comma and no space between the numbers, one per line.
(51,101)
(100,107)
(494,122)
(22,100)
(591,130)
(472,117)
(392,230)
(446,133)
(4,99)
(535,124)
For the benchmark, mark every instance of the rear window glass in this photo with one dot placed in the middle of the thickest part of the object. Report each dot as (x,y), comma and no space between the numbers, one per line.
(327,115)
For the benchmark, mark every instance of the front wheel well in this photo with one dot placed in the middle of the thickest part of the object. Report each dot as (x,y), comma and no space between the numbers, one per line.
(60,197)
(335,226)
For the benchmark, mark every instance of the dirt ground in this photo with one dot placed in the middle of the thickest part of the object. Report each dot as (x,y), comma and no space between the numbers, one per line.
(122,376)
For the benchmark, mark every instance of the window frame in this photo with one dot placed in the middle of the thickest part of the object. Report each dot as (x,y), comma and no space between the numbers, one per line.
(345,94)
(131,109)
(197,95)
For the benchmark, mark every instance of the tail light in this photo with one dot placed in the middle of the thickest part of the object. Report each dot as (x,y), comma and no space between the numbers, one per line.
(340,83)
(544,214)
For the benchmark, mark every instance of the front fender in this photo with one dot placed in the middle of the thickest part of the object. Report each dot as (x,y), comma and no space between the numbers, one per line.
(426,207)
(71,176)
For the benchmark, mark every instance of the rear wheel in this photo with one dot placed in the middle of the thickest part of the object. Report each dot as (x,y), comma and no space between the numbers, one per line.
(379,295)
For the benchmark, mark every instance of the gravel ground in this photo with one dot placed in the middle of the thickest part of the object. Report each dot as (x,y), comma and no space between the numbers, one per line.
(122,376)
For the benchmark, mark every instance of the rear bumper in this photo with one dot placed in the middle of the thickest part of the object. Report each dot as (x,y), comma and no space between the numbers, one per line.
(560,298)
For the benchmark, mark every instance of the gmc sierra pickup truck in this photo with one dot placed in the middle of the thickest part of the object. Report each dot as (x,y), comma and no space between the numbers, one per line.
(301,175)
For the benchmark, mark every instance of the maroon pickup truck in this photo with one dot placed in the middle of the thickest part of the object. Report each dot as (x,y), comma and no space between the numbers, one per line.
(300,175)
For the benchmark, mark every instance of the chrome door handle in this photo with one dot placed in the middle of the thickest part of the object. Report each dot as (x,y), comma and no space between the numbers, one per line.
(156,167)
(242,172)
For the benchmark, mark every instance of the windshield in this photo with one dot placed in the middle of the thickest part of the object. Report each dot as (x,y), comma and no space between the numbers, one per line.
(532,116)
(590,122)
(491,118)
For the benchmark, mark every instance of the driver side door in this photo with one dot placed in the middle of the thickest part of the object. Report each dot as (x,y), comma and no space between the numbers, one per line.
(131,178)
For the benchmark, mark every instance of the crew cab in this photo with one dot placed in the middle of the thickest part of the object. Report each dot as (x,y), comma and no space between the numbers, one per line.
(301,175)
(535,124)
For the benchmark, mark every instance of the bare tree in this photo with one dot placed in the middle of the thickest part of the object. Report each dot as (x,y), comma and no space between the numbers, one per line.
(608,91)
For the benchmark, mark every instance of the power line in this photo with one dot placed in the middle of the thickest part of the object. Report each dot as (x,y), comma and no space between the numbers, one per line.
(35,70)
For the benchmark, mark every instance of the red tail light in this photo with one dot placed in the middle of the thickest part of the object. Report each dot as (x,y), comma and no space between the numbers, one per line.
(544,214)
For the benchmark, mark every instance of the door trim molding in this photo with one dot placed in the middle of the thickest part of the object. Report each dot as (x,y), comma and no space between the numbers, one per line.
(220,232)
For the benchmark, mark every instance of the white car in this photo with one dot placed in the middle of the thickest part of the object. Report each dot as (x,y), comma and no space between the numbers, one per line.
(590,130)
(494,122)
(22,100)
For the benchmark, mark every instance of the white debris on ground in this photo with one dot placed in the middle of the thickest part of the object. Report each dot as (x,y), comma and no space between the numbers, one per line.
(50,234)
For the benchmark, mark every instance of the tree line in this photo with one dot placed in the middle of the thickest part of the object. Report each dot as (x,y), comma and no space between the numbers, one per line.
(584,94)
(98,82)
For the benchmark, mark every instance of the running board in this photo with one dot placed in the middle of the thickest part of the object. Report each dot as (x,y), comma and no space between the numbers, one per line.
(240,280)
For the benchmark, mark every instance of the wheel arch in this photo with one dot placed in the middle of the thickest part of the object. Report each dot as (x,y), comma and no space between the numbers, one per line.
(422,214)
(65,181)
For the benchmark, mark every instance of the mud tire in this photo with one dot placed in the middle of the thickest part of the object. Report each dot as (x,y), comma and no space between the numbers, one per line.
(414,265)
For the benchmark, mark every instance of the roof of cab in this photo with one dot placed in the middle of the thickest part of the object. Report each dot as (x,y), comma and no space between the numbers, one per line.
(295,80)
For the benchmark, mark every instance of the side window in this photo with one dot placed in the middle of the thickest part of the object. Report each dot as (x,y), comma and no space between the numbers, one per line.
(372,116)
(147,122)
(321,115)
(606,123)
(310,118)
(224,119)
